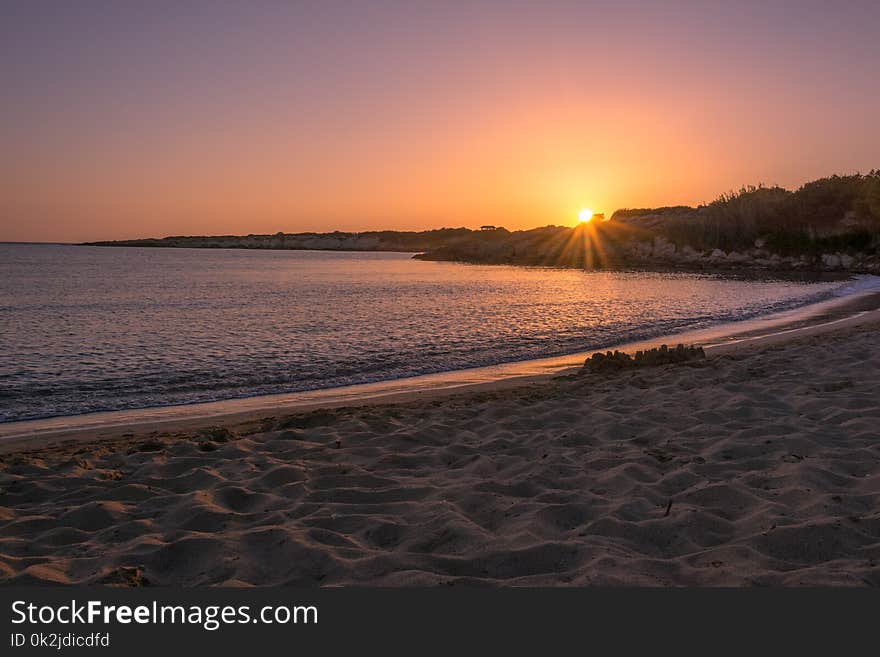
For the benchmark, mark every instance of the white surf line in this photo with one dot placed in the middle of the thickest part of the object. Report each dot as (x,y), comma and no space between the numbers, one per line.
(809,327)
(384,391)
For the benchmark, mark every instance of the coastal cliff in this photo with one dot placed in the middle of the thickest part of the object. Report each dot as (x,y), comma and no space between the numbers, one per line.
(387,240)
(830,224)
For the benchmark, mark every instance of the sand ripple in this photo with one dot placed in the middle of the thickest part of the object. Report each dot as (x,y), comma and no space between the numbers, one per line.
(756,470)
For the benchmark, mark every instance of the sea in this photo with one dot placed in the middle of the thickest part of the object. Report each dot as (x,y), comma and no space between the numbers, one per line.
(86,329)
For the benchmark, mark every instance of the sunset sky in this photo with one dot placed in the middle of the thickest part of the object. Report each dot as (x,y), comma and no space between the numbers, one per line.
(155,118)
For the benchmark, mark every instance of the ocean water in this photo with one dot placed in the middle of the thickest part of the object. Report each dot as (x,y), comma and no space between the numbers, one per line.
(86,328)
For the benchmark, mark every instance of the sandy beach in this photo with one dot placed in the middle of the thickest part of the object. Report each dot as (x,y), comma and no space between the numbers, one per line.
(755,466)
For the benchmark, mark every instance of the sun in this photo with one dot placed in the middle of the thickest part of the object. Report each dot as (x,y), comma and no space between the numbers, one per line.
(585,215)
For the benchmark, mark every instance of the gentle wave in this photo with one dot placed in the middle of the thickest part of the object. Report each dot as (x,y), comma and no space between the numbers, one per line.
(89,329)
(860,283)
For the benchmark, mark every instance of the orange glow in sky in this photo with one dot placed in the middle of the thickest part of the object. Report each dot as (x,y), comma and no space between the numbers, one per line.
(223,119)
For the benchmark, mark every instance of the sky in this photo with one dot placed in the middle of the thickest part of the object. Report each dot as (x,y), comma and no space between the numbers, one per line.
(145,119)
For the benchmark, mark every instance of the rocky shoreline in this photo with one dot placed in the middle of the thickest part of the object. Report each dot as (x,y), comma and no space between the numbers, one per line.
(663,252)
(539,247)
(614,249)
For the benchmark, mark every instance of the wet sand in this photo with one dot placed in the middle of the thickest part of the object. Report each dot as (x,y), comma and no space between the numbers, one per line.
(816,319)
(759,465)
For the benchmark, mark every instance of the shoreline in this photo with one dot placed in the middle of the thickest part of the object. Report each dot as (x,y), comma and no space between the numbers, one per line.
(734,269)
(758,466)
(709,268)
(856,309)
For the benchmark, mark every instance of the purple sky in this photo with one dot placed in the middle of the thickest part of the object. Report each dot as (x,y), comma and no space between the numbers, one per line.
(153,118)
